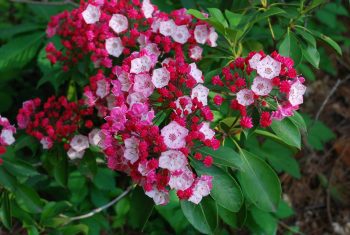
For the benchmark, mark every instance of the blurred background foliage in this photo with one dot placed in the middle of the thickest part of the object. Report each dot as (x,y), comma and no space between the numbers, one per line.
(39,190)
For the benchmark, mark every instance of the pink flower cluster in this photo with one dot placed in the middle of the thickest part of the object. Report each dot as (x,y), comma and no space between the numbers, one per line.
(6,135)
(56,121)
(268,83)
(147,89)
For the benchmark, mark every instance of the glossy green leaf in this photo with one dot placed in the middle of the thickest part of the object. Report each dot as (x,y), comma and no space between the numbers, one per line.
(287,131)
(75,229)
(19,168)
(19,51)
(284,210)
(329,41)
(226,191)
(6,213)
(291,47)
(312,55)
(104,179)
(217,14)
(7,180)
(298,121)
(140,210)
(52,209)
(173,214)
(60,169)
(260,182)
(233,18)
(203,217)
(28,199)
(224,156)
(308,37)
(264,220)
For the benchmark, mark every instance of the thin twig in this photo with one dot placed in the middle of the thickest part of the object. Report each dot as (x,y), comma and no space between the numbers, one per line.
(334,88)
(99,209)
(66,2)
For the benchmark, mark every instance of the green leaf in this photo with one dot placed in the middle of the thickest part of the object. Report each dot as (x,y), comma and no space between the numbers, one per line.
(28,199)
(290,47)
(7,180)
(228,217)
(13,30)
(269,12)
(287,131)
(306,36)
(197,14)
(319,133)
(203,217)
(312,55)
(173,214)
(233,18)
(264,220)
(217,14)
(20,51)
(32,230)
(259,182)
(75,229)
(60,168)
(5,213)
(280,157)
(284,210)
(298,121)
(19,168)
(6,101)
(224,156)
(226,191)
(306,71)
(140,210)
(104,179)
(328,40)
(314,4)
(52,209)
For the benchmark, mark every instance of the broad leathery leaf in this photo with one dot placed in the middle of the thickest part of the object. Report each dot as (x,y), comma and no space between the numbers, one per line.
(197,14)
(318,133)
(291,47)
(226,191)
(204,216)
(60,168)
(308,37)
(74,229)
(328,40)
(19,168)
(260,182)
(233,18)
(7,180)
(9,31)
(312,55)
(173,214)
(298,121)
(313,4)
(306,71)
(28,199)
(217,14)
(287,131)
(284,210)
(279,156)
(52,209)
(269,12)
(5,213)
(264,220)
(223,156)
(140,210)
(20,51)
